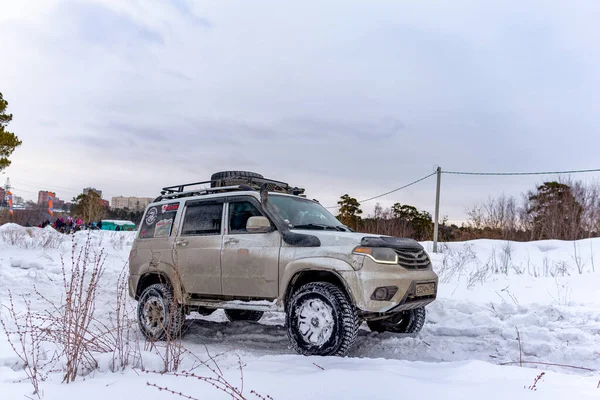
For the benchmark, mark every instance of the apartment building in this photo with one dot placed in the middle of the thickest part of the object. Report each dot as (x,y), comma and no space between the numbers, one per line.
(131,203)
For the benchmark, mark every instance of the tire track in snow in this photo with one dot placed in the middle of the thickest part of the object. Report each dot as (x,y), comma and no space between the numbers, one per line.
(456,330)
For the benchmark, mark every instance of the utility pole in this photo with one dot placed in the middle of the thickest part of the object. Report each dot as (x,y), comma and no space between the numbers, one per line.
(437,210)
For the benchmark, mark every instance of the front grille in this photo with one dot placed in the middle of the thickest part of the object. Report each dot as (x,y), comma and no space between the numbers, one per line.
(413,259)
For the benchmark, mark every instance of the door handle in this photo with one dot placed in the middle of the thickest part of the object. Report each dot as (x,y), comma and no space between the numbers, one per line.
(232,240)
(181,243)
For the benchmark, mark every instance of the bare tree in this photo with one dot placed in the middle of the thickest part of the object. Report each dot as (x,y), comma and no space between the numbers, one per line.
(496,218)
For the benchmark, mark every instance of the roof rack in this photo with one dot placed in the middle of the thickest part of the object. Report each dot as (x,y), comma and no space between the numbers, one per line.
(178,194)
(224,185)
(179,188)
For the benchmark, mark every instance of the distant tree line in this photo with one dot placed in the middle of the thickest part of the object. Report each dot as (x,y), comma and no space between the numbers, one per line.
(562,210)
(399,220)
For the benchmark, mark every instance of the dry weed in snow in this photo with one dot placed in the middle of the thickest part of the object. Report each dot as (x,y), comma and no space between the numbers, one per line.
(26,341)
(535,381)
(216,378)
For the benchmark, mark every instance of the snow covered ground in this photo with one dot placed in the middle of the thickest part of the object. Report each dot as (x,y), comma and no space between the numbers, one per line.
(546,290)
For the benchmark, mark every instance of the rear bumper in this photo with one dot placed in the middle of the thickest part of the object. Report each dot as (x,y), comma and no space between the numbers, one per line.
(364,282)
(132,282)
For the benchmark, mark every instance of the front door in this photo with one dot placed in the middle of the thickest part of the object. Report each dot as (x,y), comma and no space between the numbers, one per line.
(198,247)
(250,261)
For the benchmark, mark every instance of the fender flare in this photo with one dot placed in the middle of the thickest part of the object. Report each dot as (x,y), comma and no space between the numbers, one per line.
(296,268)
(169,273)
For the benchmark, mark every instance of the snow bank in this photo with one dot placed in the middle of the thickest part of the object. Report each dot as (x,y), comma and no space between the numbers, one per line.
(13,235)
(547,290)
(301,378)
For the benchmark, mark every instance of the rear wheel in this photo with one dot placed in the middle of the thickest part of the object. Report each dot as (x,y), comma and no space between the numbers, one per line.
(321,320)
(410,321)
(243,315)
(159,316)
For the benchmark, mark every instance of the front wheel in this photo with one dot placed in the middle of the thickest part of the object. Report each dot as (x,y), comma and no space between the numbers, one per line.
(410,321)
(321,320)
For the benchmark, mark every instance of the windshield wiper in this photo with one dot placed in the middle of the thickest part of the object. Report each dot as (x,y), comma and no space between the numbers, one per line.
(320,226)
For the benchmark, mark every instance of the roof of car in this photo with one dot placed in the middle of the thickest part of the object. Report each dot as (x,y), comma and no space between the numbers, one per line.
(252,193)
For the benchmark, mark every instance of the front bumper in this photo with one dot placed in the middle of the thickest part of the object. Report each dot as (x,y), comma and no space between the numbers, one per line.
(366,280)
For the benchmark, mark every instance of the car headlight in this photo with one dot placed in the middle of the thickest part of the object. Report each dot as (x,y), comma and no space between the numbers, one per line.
(381,255)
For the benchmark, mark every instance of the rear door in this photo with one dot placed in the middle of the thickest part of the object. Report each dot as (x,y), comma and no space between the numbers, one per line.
(250,261)
(198,246)
(155,241)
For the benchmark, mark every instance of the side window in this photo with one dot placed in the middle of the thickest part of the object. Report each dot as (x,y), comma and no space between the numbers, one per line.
(202,219)
(158,221)
(239,213)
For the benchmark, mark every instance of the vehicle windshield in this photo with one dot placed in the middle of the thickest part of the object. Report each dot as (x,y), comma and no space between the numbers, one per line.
(301,213)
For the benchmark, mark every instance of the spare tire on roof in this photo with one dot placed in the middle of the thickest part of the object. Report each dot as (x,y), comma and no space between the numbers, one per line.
(226,178)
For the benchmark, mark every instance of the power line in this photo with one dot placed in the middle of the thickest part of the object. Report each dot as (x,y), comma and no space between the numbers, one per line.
(479,173)
(392,191)
(23,190)
(43,185)
(520,173)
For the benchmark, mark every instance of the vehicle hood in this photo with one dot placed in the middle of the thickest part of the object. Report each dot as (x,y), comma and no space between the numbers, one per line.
(346,241)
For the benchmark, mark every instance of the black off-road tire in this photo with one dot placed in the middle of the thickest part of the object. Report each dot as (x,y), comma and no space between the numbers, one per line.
(410,321)
(243,315)
(345,320)
(217,176)
(172,326)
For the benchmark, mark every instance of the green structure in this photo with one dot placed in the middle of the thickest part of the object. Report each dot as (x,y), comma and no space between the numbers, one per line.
(111,225)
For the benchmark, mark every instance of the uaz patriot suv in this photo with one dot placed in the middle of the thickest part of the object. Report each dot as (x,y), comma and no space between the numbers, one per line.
(246,244)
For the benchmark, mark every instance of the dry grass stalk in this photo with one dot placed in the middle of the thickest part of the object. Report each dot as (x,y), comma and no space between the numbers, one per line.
(535,381)
(29,340)
(80,296)
(520,348)
(216,379)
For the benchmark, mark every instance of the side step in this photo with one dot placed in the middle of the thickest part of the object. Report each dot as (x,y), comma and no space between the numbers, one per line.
(258,305)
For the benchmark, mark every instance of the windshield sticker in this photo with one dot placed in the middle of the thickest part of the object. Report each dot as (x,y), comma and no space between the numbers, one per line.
(151,216)
(170,207)
(163,228)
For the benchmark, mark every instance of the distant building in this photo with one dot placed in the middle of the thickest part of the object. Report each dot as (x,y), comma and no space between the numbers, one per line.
(59,205)
(105,203)
(131,203)
(43,197)
(90,189)
(2,197)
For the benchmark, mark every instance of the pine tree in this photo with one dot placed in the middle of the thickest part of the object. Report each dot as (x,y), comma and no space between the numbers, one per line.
(349,212)
(420,221)
(8,141)
(555,212)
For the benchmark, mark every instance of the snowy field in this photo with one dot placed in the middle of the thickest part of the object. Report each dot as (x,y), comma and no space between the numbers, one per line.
(548,292)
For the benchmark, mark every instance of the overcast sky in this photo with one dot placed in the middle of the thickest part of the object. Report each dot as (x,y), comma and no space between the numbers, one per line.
(356,97)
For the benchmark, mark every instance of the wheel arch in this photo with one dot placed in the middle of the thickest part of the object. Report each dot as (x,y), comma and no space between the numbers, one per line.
(315,275)
(152,277)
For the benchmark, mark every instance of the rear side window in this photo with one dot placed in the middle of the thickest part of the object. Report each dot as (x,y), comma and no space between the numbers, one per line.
(158,221)
(202,219)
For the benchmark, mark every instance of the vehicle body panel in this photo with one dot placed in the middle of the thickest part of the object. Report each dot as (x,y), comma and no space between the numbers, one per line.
(249,264)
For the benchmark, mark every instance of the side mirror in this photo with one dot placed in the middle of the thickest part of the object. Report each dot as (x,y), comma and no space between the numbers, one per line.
(258,225)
